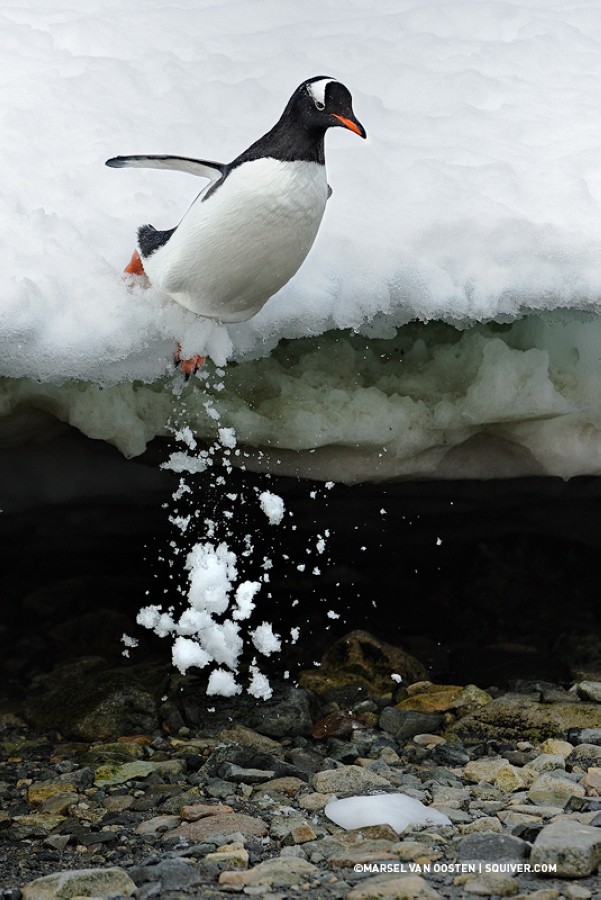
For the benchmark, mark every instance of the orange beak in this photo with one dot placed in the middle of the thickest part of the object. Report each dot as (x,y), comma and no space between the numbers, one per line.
(351,125)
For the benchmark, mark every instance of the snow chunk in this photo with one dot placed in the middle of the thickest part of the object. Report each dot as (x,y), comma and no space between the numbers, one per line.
(396,810)
(129,641)
(265,640)
(187,653)
(272,506)
(212,570)
(222,683)
(245,593)
(227,437)
(259,686)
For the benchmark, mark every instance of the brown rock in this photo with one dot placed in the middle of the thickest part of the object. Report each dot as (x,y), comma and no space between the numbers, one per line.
(427,697)
(39,792)
(515,717)
(287,784)
(339,724)
(202,810)
(360,658)
(592,782)
(246,737)
(222,823)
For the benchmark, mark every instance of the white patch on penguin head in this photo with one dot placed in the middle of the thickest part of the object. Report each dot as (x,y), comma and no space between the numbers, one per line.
(317,91)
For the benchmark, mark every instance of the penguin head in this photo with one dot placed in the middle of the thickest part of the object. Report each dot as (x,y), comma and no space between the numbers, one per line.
(323,102)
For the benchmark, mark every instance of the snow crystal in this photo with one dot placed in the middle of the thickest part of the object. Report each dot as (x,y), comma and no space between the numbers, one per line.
(396,810)
(272,506)
(265,640)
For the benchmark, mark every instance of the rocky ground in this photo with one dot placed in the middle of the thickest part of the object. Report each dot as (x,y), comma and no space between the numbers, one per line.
(104,793)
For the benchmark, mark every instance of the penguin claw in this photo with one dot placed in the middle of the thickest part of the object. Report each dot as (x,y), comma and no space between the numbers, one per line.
(189,366)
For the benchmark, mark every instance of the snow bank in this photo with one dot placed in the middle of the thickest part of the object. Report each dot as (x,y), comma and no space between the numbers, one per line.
(477,198)
(478,194)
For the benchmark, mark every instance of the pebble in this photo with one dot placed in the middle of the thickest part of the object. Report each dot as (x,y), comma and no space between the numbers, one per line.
(279,872)
(492,847)
(589,690)
(404,724)
(223,823)
(242,811)
(489,884)
(584,756)
(158,825)
(80,882)
(551,790)
(574,848)
(394,887)
(348,780)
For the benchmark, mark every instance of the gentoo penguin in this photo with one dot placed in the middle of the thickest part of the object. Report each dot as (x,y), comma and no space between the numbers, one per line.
(250,229)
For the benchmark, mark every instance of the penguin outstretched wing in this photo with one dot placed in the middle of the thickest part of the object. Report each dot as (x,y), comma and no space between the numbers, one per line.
(202,167)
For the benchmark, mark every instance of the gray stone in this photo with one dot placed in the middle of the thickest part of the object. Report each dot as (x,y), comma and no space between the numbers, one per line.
(491,847)
(348,780)
(590,690)
(285,718)
(490,884)
(575,849)
(277,872)
(585,736)
(105,705)
(168,874)
(221,824)
(450,755)
(550,789)
(394,887)
(240,775)
(82,883)
(584,756)
(404,724)
(158,825)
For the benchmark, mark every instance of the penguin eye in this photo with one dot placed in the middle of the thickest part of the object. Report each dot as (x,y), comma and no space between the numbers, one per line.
(319,105)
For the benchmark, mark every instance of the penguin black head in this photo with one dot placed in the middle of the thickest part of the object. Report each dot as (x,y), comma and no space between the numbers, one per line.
(316,105)
(323,102)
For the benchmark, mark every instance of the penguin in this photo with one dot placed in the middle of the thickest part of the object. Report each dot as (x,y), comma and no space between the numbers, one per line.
(250,229)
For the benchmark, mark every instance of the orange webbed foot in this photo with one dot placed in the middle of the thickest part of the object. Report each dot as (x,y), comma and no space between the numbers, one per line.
(189,366)
(135,265)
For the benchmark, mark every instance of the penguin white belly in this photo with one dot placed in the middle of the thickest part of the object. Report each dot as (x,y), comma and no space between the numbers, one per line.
(234,250)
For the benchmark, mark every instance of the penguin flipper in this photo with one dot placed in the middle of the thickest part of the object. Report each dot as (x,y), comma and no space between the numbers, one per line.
(202,167)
